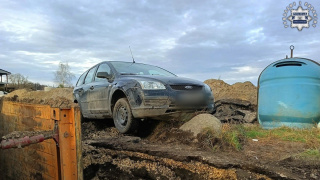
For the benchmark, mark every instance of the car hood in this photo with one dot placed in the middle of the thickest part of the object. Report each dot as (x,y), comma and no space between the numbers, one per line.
(166,80)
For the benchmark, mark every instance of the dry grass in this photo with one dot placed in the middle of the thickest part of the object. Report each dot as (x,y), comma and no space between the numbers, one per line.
(311,154)
(311,137)
(235,136)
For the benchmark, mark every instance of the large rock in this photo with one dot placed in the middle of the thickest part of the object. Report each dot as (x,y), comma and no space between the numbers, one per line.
(201,122)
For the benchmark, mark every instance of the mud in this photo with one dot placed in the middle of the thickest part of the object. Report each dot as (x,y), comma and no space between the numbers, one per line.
(144,166)
(235,111)
(167,153)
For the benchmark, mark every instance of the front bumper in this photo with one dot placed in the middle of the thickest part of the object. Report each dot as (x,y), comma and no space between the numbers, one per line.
(160,104)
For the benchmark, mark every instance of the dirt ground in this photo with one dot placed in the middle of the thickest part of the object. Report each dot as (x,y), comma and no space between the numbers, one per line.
(159,150)
(168,153)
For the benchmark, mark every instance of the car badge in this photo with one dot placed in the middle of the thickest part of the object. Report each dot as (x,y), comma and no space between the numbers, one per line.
(188,87)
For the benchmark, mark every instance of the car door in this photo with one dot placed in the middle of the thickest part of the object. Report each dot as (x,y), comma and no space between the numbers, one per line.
(99,93)
(85,99)
(78,90)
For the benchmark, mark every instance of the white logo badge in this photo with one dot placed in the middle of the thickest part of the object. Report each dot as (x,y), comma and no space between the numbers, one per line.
(188,87)
(300,18)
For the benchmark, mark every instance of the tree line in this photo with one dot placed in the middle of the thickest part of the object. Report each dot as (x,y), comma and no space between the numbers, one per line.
(19,81)
(62,76)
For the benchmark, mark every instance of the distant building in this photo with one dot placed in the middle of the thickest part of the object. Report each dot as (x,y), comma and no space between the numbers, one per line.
(4,78)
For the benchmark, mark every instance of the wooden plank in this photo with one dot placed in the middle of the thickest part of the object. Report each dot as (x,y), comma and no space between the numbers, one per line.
(67,144)
(77,120)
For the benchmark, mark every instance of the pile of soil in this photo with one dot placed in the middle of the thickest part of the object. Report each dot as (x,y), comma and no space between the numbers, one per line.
(243,91)
(169,133)
(58,97)
(161,132)
(97,129)
(235,103)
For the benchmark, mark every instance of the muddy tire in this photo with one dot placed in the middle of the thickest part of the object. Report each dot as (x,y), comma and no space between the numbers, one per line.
(123,118)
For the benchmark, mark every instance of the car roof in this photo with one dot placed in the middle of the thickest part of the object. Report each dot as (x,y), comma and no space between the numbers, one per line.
(125,62)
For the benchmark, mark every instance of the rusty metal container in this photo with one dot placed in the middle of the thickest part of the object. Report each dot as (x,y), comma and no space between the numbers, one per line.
(289,94)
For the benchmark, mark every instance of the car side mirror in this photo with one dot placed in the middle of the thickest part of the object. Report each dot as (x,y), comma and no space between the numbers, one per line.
(104,75)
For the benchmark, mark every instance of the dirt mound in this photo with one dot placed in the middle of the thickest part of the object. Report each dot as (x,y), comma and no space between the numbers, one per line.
(96,129)
(58,97)
(235,103)
(244,91)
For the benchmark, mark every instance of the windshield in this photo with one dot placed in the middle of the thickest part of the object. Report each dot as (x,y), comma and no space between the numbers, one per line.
(128,68)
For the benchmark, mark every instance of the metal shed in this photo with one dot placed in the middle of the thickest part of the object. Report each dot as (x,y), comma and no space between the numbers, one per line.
(289,94)
(4,82)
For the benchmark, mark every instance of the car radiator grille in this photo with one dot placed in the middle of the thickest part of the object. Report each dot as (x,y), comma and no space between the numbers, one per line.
(186,87)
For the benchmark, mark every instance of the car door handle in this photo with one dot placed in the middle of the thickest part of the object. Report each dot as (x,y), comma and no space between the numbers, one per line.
(91,87)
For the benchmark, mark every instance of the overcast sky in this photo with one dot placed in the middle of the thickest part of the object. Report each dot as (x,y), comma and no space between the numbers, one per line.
(230,40)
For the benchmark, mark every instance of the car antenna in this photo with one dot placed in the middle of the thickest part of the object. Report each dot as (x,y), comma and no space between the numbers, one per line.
(132,55)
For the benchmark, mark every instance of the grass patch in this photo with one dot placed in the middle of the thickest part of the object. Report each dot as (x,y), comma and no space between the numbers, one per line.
(231,136)
(309,136)
(235,136)
(310,154)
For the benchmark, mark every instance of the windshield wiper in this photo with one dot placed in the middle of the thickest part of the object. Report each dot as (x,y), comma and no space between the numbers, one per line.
(128,74)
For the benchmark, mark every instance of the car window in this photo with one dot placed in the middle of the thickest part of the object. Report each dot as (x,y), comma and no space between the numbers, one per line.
(80,81)
(103,68)
(154,72)
(129,68)
(90,75)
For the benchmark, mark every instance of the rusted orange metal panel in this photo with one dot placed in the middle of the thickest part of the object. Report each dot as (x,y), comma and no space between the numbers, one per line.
(44,160)
(55,114)
(37,161)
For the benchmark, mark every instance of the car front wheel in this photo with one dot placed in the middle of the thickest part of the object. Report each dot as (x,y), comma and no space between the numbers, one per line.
(122,117)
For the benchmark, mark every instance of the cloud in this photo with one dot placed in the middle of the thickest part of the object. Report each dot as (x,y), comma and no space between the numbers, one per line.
(233,40)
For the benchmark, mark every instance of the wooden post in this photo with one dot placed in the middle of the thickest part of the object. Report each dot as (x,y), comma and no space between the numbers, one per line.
(70,145)
(6,86)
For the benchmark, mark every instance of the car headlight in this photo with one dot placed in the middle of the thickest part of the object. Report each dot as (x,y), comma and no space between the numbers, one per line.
(151,85)
(207,88)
